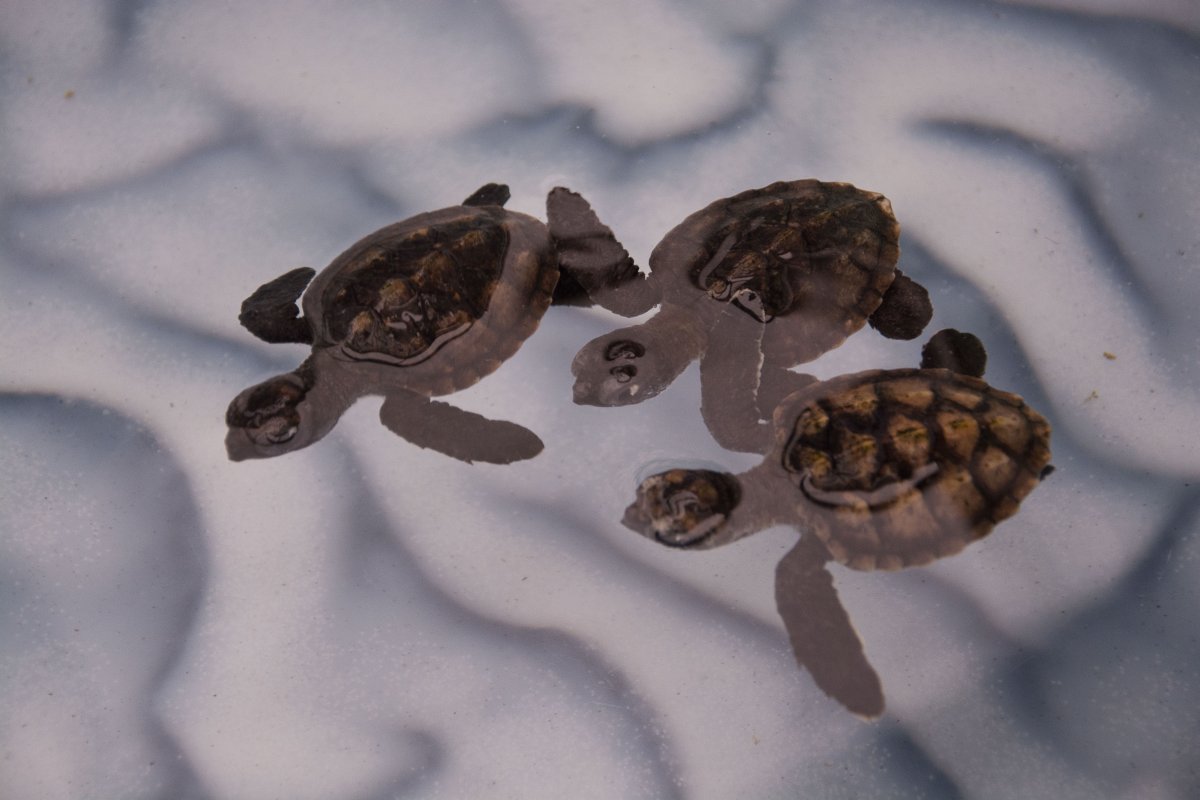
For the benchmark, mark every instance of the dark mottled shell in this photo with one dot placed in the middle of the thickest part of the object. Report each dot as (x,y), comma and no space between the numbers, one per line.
(814,258)
(401,294)
(901,467)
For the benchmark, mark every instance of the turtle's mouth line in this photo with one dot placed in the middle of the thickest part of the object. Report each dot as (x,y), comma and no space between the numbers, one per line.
(695,538)
(639,521)
(583,394)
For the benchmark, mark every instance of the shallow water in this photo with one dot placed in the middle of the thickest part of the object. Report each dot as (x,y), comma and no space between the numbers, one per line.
(367,619)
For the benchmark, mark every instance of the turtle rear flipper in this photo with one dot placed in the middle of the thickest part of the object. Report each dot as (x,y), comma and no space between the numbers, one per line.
(823,640)
(594,267)
(956,351)
(490,194)
(271,312)
(457,433)
(905,310)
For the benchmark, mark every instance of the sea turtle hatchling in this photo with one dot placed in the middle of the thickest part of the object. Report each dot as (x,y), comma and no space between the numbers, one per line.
(421,308)
(879,470)
(752,285)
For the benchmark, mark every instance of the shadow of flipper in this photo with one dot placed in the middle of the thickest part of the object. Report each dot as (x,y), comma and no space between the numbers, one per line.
(822,637)
(456,432)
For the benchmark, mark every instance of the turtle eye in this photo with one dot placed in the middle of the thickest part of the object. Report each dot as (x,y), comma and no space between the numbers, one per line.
(683,502)
(624,373)
(751,301)
(280,437)
(624,349)
(278,430)
(719,289)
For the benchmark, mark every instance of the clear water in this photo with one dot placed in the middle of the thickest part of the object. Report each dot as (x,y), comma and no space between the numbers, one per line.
(367,619)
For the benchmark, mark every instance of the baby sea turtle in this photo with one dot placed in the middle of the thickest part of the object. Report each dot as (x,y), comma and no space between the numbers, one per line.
(418,309)
(751,285)
(879,470)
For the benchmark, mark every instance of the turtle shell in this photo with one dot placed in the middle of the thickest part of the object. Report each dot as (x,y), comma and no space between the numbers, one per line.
(897,468)
(447,295)
(813,259)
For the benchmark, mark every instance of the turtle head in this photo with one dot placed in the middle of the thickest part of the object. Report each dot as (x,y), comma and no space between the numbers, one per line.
(271,418)
(685,508)
(627,366)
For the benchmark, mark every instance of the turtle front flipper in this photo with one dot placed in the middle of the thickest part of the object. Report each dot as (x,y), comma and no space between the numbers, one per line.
(490,194)
(594,267)
(775,384)
(457,433)
(271,312)
(904,311)
(730,375)
(823,639)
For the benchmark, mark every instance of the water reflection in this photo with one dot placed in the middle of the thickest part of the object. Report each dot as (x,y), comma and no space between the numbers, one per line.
(753,285)
(882,469)
(419,309)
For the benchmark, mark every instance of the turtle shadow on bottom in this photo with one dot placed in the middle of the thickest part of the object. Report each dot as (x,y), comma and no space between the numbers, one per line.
(418,309)
(884,469)
(751,286)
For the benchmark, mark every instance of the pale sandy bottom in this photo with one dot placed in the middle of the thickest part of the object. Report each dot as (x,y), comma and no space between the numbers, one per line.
(368,620)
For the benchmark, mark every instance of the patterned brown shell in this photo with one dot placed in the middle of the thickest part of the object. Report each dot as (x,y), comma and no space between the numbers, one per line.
(902,467)
(400,294)
(813,259)
(791,243)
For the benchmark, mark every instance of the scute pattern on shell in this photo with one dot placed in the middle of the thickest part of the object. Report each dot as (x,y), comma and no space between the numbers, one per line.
(405,298)
(907,466)
(789,246)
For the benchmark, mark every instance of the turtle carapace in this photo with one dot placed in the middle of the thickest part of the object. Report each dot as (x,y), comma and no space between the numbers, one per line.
(752,285)
(419,309)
